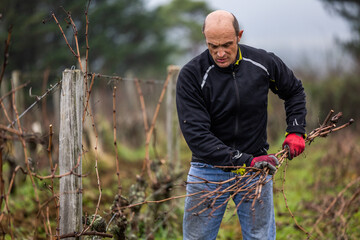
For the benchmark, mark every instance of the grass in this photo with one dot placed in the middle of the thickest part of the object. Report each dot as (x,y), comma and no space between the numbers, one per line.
(302,174)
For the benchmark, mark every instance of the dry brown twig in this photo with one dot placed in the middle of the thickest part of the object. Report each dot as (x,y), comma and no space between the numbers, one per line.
(65,38)
(142,104)
(6,54)
(97,177)
(86,38)
(53,169)
(77,54)
(287,206)
(147,161)
(13,90)
(88,93)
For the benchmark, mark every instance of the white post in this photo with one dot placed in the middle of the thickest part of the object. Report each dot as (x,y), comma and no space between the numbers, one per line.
(19,104)
(171,127)
(70,142)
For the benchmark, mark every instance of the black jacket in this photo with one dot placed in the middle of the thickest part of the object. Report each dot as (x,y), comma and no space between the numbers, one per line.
(223,111)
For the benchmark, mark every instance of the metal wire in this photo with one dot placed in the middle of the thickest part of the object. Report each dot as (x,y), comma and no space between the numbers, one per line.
(34,103)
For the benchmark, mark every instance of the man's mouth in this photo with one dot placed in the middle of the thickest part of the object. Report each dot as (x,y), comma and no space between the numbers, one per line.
(221,60)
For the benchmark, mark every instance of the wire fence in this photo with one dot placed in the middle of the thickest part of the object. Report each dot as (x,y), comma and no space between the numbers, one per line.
(16,130)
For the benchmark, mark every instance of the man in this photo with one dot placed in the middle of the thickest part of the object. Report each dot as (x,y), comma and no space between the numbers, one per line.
(222,108)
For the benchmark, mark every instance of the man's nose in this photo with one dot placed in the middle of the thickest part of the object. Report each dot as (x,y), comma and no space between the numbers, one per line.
(221,52)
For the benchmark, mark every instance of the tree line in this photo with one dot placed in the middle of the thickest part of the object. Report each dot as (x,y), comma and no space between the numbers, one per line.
(124,36)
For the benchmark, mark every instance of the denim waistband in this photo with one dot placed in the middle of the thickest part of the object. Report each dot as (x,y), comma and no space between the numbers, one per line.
(260,152)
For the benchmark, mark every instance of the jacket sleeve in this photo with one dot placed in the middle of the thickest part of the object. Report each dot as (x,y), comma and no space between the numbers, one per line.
(290,89)
(195,124)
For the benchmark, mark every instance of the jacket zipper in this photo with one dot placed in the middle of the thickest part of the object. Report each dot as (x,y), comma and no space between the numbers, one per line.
(237,108)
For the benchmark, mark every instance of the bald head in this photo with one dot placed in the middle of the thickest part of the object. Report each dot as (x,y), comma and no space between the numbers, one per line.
(222,34)
(221,18)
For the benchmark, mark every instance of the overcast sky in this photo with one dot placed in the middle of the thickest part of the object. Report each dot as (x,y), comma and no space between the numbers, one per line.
(295,30)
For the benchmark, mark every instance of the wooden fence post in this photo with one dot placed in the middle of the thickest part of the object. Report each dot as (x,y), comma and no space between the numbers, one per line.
(18,150)
(70,146)
(19,95)
(172,129)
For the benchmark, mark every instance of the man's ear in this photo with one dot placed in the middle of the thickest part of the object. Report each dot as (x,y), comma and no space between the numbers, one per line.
(240,35)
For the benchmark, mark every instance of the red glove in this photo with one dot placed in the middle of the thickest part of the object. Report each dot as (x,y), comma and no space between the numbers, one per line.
(295,144)
(263,161)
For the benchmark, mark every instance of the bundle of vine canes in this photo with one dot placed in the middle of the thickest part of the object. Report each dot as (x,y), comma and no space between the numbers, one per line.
(245,184)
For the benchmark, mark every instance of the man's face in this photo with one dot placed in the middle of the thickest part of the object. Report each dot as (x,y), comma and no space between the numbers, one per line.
(222,44)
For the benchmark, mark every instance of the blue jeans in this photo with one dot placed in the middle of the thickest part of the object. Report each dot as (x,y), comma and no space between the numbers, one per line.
(197,225)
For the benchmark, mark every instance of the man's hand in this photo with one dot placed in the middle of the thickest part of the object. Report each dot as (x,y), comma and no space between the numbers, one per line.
(269,161)
(295,144)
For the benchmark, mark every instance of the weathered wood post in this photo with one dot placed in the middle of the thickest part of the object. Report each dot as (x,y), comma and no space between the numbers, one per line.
(19,95)
(18,150)
(172,128)
(70,142)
